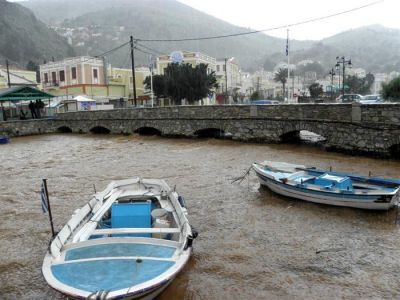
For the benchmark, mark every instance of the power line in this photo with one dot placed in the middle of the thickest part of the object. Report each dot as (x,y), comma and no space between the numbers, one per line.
(107,52)
(112,50)
(144,51)
(264,30)
(150,49)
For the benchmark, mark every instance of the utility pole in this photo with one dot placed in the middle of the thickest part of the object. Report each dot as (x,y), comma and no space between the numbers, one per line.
(105,71)
(151,80)
(8,74)
(332,73)
(288,65)
(226,81)
(342,60)
(133,70)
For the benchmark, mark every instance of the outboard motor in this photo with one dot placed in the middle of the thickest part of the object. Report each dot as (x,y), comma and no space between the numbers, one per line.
(190,238)
(181,201)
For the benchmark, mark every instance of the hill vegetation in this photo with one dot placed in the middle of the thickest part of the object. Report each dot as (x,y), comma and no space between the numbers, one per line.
(111,22)
(23,38)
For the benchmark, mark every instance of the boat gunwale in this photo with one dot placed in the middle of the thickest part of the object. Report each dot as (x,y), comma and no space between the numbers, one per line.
(333,191)
(180,257)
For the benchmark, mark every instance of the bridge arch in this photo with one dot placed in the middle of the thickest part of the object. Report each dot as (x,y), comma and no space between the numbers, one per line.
(394,151)
(100,130)
(300,132)
(298,136)
(210,133)
(147,130)
(64,129)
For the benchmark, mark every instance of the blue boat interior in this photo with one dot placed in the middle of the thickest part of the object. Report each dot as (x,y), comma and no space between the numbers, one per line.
(110,274)
(108,264)
(335,180)
(120,250)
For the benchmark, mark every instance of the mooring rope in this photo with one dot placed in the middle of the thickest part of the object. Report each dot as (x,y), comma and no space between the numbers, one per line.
(243,177)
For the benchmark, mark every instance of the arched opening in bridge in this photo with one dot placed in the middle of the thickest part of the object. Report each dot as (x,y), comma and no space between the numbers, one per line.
(395,151)
(302,137)
(149,131)
(64,129)
(210,133)
(100,130)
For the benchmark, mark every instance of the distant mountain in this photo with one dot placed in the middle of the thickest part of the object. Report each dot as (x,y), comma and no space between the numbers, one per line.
(376,48)
(105,24)
(155,19)
(24,38)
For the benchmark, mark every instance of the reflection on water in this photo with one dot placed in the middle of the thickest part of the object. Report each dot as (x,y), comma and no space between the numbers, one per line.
(253,244)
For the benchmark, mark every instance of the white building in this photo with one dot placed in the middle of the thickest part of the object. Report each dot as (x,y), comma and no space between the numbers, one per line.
(228,75)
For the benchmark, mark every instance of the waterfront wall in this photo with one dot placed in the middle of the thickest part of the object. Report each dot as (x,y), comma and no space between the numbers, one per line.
(354,128)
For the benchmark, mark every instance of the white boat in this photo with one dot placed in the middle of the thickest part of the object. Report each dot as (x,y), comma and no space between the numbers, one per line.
(327,187)
(128,242)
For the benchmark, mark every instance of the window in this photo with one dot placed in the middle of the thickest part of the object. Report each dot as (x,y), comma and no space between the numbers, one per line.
(73,73)
(62,76)
(95,74)
(46,78)
(53,77)
(218,68)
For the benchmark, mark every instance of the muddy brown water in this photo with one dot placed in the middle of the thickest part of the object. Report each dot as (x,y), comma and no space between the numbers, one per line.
(253,244)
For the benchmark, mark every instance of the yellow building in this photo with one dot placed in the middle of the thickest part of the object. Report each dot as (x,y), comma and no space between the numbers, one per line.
(85,75)
(124,76)
(17,77)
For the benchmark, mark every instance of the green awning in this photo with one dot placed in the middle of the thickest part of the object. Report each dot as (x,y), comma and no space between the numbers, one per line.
(23,93)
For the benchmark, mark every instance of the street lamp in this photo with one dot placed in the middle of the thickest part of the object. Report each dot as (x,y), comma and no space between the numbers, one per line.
(342,60)
(332,73)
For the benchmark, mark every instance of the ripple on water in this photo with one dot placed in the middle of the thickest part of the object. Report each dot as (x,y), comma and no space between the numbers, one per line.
(253,244)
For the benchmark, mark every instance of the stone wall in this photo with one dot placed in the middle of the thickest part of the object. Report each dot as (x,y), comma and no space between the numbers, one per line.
(346,127)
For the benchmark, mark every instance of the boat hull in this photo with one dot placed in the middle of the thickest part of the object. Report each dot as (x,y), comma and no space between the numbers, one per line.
(113,248)
(347,200)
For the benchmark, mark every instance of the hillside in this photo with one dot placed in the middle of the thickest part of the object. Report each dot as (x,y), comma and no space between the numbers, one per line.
(110,22)
(155,19)
(24,38)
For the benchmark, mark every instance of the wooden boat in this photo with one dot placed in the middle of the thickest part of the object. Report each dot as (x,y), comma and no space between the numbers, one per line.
(326,187)
(129,241)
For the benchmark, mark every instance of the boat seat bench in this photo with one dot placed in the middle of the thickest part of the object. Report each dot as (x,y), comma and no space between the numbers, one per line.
(120,250)
(134,230)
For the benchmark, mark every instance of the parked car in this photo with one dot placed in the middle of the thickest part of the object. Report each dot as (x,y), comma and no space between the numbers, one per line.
(371,99)
(349,98)
(264,102)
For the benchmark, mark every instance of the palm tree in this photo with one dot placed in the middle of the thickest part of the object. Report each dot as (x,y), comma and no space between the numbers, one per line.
(281,76)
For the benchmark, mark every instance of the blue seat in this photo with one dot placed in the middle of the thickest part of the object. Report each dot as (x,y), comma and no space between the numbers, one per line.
(131,215)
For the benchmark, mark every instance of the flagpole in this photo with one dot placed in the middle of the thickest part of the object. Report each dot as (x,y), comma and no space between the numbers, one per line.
(48,205)
(288,64)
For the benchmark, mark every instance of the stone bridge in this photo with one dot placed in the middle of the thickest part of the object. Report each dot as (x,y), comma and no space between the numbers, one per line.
(371,129)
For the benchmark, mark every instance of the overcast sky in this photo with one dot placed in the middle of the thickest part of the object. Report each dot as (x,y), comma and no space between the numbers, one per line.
(261,14)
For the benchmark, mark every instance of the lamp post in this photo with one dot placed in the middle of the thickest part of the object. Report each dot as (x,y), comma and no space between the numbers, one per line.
(332,73)
(342,60)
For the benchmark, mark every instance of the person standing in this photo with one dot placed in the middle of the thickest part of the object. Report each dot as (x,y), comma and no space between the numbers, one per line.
(37,109)
(32,108)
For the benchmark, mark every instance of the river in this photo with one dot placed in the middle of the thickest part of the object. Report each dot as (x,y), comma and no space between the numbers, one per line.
(252,243)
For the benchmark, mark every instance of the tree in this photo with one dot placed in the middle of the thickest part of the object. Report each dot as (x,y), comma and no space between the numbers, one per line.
(158,85)
(281,76)
(316,90)
(183,81)
(32,66)
(255,96)
(360,85)
(391,90)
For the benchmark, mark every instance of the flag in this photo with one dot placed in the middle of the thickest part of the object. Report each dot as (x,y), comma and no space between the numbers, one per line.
(43,196)
(287,45)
